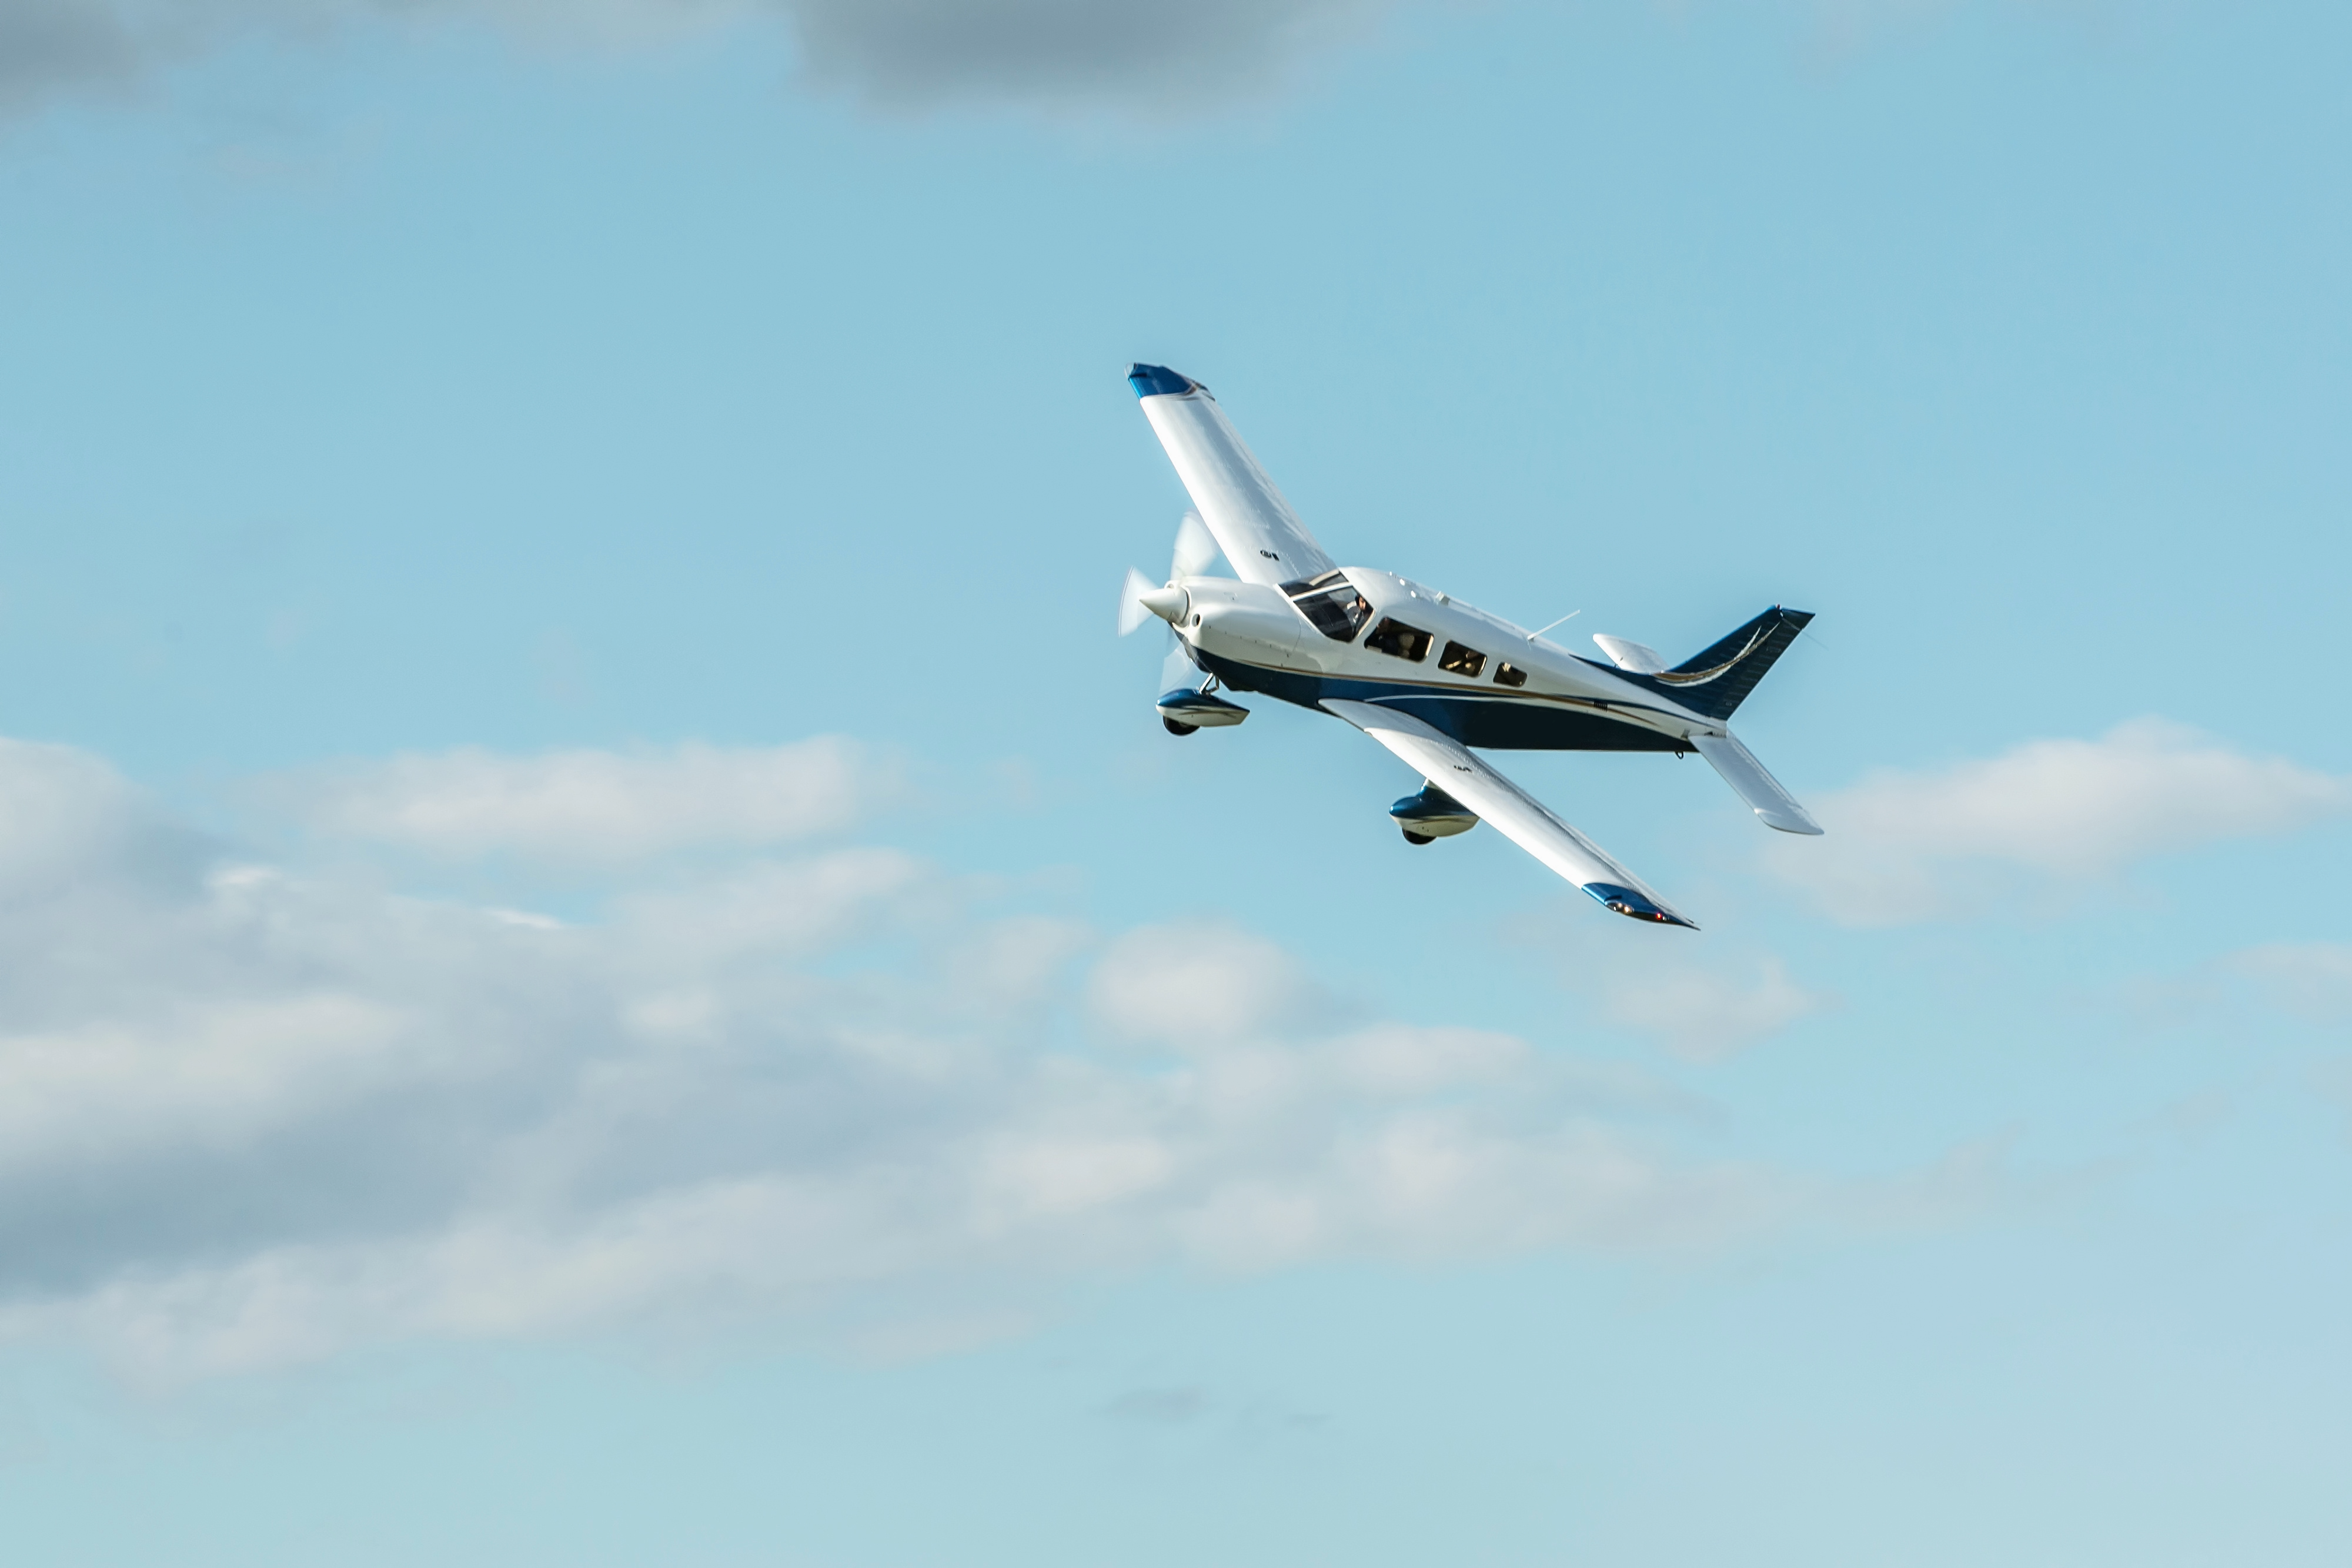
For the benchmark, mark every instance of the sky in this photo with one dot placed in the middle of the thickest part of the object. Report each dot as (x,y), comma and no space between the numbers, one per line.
(604,960)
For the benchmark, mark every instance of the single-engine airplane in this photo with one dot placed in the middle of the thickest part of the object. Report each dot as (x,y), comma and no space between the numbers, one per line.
(1421,672)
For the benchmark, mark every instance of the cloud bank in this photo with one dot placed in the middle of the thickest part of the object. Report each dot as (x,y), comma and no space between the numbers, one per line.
(1138,56)
(250,1116)
(2042,820)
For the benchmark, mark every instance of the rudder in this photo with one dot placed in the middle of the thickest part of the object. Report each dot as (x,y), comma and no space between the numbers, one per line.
(1715,680)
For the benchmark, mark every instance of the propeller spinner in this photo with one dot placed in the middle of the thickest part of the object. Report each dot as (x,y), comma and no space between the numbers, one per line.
(1195,552)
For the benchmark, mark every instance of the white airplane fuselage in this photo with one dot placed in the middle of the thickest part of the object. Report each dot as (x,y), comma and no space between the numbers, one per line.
(1477,677)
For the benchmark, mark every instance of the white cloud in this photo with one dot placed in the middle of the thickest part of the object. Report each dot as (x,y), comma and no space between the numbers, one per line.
(1704,999)
(1708,1012)
(249,1115)
(596,806)
(2312,979)
(2042,817)
(1192,986)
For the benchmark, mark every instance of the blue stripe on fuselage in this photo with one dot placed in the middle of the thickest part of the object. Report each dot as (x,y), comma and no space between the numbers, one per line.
(1474,717)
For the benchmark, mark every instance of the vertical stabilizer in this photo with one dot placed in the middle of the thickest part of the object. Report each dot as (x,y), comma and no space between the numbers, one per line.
(1716,682)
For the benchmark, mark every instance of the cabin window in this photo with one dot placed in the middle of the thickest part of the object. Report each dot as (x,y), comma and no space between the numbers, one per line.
(1332,604)
(1398,640)
(1510,675)
(1462,660)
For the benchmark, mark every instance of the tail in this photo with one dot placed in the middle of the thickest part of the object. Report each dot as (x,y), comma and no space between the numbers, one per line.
(1716,682)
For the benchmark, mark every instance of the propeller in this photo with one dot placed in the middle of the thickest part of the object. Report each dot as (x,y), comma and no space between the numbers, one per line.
(1177,671)
(1132,611)
(1139,596)
(1196,548)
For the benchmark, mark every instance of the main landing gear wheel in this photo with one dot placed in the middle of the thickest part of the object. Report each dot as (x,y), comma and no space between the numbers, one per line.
(1175,729)
(1413,838)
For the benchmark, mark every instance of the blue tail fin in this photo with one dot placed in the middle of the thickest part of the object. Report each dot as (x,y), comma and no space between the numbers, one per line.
(1717,681)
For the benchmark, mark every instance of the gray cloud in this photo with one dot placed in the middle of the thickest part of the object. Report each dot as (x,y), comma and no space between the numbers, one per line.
(49,45)
(1139,56)
(251,1114)
(1145,53)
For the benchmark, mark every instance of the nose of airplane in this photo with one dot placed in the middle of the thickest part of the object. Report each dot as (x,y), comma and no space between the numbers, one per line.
(1244,631)
(1170,603)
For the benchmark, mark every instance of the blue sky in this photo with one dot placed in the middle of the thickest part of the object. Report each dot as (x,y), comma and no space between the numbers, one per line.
(607,961)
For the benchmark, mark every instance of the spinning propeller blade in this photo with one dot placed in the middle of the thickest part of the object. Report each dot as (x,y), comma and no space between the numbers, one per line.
(1196,548)
(1132,611)
(1176,671)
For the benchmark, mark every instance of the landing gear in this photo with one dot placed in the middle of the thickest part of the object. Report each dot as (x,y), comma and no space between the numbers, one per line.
(1184,710)
(1431,815)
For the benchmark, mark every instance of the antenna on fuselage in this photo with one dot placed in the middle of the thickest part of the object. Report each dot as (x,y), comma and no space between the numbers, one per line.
(1561,622)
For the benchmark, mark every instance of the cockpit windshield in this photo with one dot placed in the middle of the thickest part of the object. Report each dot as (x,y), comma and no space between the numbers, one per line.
(1331,603)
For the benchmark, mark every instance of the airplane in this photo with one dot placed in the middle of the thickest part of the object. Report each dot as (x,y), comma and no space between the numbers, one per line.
(1424,674)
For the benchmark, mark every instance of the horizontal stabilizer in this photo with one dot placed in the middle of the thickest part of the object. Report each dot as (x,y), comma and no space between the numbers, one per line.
(1752,784)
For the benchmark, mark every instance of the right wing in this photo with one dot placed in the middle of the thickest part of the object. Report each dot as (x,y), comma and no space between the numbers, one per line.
(1752,784)
(1263,539)
(1516,814)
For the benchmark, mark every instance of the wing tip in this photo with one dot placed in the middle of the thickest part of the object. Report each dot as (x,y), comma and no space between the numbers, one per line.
(1159,381)
(1636,905)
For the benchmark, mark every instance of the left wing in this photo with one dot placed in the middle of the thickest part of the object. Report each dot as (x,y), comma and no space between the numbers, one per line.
(1516,814)
(1263,539)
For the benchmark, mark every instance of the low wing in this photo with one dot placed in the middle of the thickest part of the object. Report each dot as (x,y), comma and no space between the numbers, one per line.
(1752,784)
(1516,814)
(1263,539)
